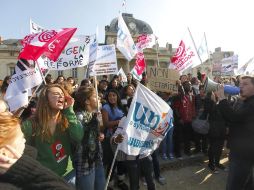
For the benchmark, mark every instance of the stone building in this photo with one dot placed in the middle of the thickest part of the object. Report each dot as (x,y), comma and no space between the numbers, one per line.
(9,50)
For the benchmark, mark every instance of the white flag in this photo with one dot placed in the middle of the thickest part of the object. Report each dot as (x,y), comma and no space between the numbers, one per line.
(186,54)
(125,43)
(121,72)
(18,101)
(26,76)
(203,49)
(35,28)
(148,121)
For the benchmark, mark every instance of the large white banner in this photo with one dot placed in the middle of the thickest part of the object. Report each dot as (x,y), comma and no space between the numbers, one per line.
(125,43)
(148,121)
(105,63)
(75,54)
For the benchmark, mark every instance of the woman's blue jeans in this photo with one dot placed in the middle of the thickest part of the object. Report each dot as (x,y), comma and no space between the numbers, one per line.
(93,181)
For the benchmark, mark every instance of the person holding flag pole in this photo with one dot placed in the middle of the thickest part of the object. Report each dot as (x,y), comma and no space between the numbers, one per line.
(90,173)
(140,133)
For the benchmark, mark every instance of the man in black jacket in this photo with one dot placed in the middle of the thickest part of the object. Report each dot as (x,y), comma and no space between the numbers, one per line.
(241,142)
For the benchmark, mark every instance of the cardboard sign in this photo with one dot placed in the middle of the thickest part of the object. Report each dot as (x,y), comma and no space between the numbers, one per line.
(162,79)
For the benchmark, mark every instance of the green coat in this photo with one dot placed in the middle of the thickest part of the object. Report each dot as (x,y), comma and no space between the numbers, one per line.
(54,154)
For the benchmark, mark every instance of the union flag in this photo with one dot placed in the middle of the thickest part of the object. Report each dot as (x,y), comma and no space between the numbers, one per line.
(49,43)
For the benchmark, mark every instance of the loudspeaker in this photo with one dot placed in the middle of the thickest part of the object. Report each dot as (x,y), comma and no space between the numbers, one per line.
(210,86)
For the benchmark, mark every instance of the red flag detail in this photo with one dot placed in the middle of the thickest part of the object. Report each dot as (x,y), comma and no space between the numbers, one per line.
(140,63)
(49,42)
(179,53)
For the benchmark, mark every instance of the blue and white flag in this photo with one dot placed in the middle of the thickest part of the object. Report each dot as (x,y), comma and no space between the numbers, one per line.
(147,123)
(125,43)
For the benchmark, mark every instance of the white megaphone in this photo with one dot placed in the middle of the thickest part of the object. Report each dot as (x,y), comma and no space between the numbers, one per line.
(210,86)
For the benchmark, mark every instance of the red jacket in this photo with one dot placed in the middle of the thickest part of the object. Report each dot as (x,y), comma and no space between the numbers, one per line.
(186,108)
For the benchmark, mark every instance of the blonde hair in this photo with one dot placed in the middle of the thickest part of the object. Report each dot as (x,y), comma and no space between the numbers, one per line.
(40,122)
(9,126)
(67,87)
(3,106)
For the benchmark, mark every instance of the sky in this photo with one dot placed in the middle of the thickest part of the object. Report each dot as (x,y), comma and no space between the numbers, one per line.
(226,23)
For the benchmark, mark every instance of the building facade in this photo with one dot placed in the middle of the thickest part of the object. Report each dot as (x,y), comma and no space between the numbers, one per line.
(9,50)
(156,56)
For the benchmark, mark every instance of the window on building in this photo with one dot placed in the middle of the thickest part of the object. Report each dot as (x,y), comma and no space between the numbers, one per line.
(59,73)
(11,69)
(74,72)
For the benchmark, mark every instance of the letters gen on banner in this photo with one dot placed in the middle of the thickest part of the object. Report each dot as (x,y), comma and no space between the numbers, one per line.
(75,54)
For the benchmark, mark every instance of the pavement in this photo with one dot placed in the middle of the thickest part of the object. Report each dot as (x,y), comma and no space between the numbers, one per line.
(191,173)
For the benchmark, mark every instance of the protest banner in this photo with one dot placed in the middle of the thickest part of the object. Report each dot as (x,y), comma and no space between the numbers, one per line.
(226,66)
(75,54)
(148,121)
(162,79)
(105,63)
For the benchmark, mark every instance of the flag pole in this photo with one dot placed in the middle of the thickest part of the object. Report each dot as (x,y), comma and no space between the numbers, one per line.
(209,57)
(157,52)
(43,78)
(96,89)
(111,169)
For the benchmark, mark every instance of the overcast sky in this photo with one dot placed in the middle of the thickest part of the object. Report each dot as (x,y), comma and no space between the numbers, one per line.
(227,23)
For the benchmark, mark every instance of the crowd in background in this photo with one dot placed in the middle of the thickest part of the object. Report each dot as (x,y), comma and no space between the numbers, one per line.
(66,122)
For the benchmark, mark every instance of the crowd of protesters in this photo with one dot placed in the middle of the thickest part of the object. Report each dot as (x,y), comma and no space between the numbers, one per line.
(68,123)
